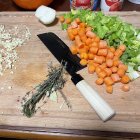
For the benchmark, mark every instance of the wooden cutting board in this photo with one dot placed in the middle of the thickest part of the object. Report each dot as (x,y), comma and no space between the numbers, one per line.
(32,69)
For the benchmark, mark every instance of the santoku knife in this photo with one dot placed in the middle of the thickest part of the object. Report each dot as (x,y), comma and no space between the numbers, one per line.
(62,53)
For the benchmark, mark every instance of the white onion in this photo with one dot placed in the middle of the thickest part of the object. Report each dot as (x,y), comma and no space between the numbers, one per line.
(45,14)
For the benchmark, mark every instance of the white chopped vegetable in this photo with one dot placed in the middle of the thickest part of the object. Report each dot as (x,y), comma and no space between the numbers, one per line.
(10,38)
(133,75)
(45,14)
(138,36)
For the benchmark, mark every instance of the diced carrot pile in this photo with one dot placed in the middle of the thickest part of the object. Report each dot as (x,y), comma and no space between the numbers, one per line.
(100,58)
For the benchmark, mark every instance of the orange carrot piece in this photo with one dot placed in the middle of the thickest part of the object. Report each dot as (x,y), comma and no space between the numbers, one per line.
(103,52)
(84,55)
(118,53)
(82,50)
(78,21)
(73,49)
(115,77)
(122,47)
(61,19)
(78,41)
(90,34)
(97,39)
(94,44)
(108,71)
(125,79)
(81,32)
(103,66)
(95,64)
(102,44)
(99,81)
(91,69)
(90,56)
(110,55)
(102,74)
(121,72)
(74,24)
(122,66)
(116,63)
(109,63)
(108,81)
(98,59)
(114,69)
(112,49)
(93,50)
(75,32)
(83,62)
(83,38)
(71,36)
(88,28)
(68,20)
(125,88)
(88,41)
(109,89)
(98,69)
(82,25)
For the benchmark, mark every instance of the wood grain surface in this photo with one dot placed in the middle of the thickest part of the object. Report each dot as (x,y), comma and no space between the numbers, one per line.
(32,69)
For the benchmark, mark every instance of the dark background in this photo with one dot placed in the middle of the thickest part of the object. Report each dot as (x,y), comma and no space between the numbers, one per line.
(61,5)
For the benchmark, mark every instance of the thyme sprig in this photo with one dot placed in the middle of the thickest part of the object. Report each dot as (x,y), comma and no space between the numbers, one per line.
(55,81)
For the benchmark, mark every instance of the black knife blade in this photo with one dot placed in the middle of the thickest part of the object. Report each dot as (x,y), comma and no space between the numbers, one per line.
(61,51)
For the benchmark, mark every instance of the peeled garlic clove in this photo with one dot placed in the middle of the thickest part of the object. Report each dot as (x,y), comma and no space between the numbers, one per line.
(45,14)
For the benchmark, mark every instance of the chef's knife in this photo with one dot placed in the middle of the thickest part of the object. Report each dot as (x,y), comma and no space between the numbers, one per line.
(62,53)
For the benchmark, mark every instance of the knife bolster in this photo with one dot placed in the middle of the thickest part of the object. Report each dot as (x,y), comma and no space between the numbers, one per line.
(76,78)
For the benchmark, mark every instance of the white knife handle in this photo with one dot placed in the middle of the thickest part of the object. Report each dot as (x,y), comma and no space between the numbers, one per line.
(104,111)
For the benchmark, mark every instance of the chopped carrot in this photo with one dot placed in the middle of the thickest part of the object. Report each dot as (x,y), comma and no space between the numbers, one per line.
(97,39)
(102,74)
(91,69)
(99,81)
(109,89)
(93,50)
(81,32)
(125,88)
(98,69)
(116,58)
(118,53)
(102,52)
(95,64)
(71,36)
(78,41)
(78,20)
(82,25)
(125,79)
(102,44)
(98,59)
(110,55)
(83,38)
(90,62)
(84,55)
(82,50)
(114,69)
(88,41)
(87,47)
(94,44)
(116,63)
(108,71)
(75,32)
(90,56)
(83,62)
(121,72)
(73,49)
(90,34)
(109,63)
(112,49)
(68,20)
(125,67)
(115,77)
(103,66)
(88,28)
(122,47)
(74,24)
(61,19)
(108,81)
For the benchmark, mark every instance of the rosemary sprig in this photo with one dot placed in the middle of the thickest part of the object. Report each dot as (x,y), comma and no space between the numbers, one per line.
(55,81)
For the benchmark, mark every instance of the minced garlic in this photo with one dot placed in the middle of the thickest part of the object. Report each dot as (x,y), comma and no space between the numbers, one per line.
(10,38)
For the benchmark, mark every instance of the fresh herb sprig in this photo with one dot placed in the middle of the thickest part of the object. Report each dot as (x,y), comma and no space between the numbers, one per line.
(55,81)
